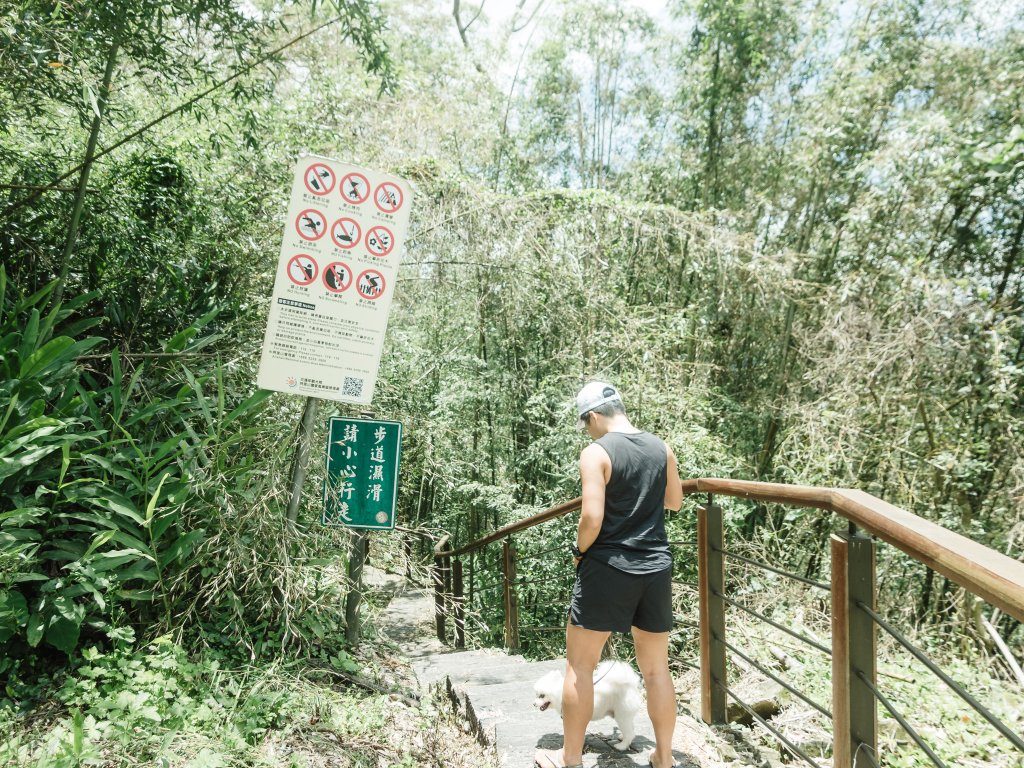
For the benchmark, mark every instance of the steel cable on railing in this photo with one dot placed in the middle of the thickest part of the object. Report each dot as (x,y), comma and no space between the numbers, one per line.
(816,645)
(688,584)
(773,569)
(771,729)
(998,724)
(520,558)
(867,754)
(780,681)
(902,721)
(686,623)
(684,662)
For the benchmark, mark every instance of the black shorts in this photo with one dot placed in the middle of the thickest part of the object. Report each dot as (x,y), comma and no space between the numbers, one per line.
(606,599)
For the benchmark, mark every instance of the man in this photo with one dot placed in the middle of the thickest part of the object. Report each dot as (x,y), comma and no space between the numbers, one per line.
(623,569)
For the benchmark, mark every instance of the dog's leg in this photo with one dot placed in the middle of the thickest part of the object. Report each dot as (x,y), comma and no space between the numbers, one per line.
(625,722)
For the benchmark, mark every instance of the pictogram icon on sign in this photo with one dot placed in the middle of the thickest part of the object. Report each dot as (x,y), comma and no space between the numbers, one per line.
(355,188)
(388,197)
(345,232)
(379,241)
(311,224)
(370,284)
(337,277)
(302,269)
(319,179)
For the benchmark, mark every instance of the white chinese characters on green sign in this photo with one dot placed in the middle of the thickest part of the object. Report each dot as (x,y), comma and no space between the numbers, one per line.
(361,487)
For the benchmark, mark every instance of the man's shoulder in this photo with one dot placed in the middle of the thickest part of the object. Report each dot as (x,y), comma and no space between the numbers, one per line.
(594,452)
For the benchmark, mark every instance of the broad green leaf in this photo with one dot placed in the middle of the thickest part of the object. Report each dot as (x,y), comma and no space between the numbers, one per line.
(133,543)
(141,595)
(29,337)
(113,468)
(63,633)
(13,444)
(78,730)
(34,632)
(151,506)
(249,404)
(89,97)
(98,542)
(108,561)
(56,352)
(69,609)
(9,467)
(119,505)
(50,352)
(182,547)
(35,299)
(21,578)
(115,386)
(201,400)
(161,523)
(13,613)
(22,516)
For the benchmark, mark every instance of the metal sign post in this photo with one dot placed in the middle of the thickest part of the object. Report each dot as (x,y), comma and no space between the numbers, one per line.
(341,246)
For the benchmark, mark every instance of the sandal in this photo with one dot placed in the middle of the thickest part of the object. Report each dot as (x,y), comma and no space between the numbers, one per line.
(552,758)
(650,761)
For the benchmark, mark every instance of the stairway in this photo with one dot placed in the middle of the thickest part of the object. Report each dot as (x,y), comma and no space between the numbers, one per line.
(494,692)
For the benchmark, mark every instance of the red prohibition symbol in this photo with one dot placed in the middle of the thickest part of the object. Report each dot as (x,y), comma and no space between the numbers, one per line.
(370,284)
(319,179)
(302,269)
(379,241)
(355,188)
(388,197)
(311,224)
(345,232)
(337,277)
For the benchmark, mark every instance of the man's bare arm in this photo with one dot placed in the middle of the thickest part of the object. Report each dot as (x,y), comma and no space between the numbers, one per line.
(595,467)
(673,488)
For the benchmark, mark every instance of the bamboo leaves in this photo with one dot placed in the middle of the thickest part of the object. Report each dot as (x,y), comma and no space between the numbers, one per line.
(111,467)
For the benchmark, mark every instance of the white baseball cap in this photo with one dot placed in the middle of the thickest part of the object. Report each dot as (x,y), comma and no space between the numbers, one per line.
(591,396)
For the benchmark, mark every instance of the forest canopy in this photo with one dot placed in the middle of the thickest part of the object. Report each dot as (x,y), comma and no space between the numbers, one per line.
(791,232)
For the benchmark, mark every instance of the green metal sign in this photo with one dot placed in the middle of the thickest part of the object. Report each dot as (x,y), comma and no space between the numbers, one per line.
(361,488)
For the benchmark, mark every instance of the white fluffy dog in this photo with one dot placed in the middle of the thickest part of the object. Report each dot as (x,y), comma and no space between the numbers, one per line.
(616,695)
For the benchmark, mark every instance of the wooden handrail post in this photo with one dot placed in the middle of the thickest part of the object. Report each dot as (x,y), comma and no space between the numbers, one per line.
(458,604)
(854,712)
(440,580)
(511,601)
(407,551)
(711,583)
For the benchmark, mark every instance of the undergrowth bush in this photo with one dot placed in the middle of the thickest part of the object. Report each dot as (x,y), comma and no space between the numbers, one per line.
(140,493)
(155,704)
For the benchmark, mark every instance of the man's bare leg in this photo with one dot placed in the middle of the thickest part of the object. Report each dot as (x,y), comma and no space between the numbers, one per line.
(582,653)
(652,657)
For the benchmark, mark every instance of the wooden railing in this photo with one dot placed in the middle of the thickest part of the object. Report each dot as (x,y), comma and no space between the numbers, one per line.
(984,572)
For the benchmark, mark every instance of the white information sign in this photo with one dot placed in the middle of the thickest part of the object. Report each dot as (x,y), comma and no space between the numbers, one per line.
(336,274)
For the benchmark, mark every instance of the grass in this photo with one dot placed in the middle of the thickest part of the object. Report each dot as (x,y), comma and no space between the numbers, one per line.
(159,703)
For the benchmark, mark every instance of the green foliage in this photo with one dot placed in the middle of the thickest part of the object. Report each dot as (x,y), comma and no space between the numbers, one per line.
(137,701)
(95,478)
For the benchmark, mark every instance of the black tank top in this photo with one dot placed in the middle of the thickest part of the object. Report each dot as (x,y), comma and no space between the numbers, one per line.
(632,536)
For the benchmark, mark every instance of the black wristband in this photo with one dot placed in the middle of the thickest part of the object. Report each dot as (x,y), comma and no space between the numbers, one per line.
(576,551)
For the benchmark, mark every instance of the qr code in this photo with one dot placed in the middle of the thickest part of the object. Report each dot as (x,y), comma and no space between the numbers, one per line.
(352,387)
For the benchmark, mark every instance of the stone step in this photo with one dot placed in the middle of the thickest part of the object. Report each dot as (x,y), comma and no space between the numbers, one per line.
(494,692)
